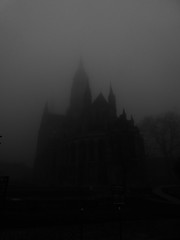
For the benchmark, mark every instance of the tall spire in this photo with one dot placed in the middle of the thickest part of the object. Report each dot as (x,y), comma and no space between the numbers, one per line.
(110,89)
(124,115)
(111,94)
(81,65)
(112,102)
(80,97)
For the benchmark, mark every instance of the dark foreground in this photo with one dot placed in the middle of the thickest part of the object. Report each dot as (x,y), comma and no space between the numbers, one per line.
(162,229)
(139,216)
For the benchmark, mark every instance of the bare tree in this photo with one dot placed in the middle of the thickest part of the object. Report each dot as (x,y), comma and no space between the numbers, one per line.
(162,134)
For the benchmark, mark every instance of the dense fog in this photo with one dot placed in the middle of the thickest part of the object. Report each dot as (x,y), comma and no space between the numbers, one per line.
(132,44)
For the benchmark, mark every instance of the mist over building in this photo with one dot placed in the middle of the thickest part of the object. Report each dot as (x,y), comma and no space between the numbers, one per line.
(88,146)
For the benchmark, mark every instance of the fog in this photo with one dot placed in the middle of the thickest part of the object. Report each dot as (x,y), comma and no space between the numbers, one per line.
(132,44)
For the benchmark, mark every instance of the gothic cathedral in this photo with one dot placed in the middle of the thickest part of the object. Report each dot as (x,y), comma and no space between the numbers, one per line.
(88,146)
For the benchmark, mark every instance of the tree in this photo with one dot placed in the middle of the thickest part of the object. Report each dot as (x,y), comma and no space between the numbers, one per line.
(162,134)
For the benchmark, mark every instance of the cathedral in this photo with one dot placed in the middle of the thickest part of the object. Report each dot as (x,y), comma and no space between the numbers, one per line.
(88,146)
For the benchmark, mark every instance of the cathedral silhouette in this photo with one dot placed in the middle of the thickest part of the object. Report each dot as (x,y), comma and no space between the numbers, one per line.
(88,146)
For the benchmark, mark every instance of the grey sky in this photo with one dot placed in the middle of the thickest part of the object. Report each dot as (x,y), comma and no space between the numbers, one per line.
(132,43)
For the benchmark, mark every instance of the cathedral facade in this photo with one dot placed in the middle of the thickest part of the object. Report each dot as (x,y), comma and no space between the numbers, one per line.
(88,146)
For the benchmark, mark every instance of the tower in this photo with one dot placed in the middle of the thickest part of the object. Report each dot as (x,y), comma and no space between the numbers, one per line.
(80,98)
(112,103)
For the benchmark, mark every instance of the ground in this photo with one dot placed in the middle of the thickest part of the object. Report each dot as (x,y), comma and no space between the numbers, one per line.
(131,230)
(135,224)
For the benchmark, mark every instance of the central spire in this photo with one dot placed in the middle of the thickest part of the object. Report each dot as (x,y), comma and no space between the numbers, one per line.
(81,65)
(80,97)
(112,102)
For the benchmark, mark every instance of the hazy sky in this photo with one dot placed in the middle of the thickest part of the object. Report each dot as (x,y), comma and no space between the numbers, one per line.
(132,43)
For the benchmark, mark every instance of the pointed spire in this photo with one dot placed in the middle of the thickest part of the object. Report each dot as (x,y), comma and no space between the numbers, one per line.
(111,93)
(124,114)
(81,65)
(110,89)
(80,97)
(112,102)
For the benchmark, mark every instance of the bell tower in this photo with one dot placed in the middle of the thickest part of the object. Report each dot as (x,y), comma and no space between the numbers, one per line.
(80,97)
(112,103)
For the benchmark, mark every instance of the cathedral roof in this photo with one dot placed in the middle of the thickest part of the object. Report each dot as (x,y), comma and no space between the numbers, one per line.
(100,101)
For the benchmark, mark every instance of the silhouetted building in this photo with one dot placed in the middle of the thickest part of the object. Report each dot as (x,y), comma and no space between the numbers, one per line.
(90,145)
